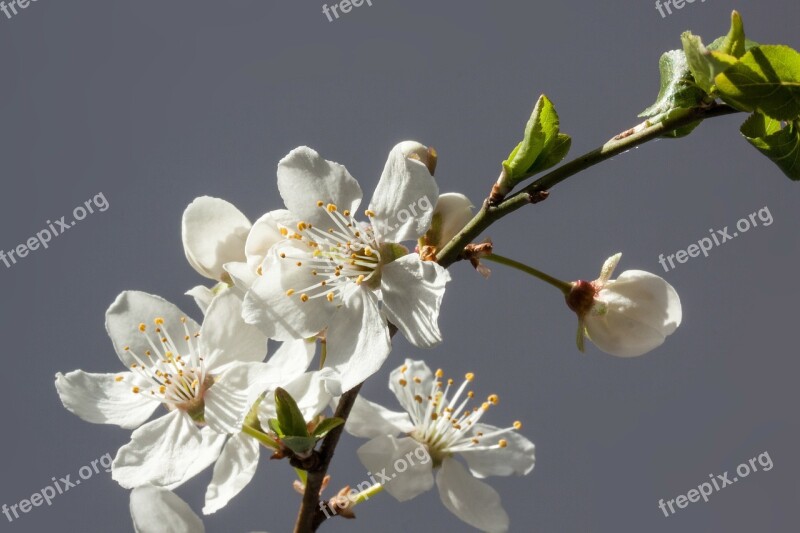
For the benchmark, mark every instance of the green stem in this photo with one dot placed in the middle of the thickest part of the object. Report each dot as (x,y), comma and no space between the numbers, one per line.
(365,495)
(563,286)
(261,437)
(643,133)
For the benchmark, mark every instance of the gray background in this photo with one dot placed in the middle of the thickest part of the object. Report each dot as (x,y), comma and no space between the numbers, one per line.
(154,103)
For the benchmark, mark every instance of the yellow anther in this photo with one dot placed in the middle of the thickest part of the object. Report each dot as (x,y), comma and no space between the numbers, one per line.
(159,321)
(162,389)
(136,390)
(368,251)
(323,283)
(302,226)
(359,279)
(494,399)
(320,203)
(304,297)
(450,382)
(331,208)
(370,213)
(290,292)
(485,406)
(347,212)
(470,394)
(517,425)
(403,369)
(142,327)
(283,255)
(417,380)
(183,320)
(403,382)
(329,296)
(260,270)
(127,348)
(119,378)
(284,231)
(503,443)
(299,263)
(434,416)
(418,398)
(475,441)
(439,373)
(470,376)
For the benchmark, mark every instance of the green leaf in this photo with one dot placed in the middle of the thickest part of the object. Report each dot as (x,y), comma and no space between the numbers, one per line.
(780,144)
(289,416)
(552,154)
(704,64)
(541,132)
(275,426)
(767,80)
(252,416)
(299,445)
(678,88)
(735,43)
(324,427)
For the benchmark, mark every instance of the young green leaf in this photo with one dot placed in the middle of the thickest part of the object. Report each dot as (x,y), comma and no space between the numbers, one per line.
(766,79)
(678,88)
(542,128)
(324,427)
(734,44)
(275,426)
(780,144)
(555,150)
(290,418)
(299,445)
(704,64)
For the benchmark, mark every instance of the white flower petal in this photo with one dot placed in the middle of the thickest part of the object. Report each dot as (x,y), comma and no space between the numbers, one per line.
(358,339)
(225,337)
(516,458)
(101,399)
(293,358)
(412,295)
(241,275)
(279,315)
(214,233)
(453,211)
(156,510)
(202,296)
(304,178)
(404,199)
(368,420)
(473,501)
(633,314)
(396,459)
(233,393)
(264,234)
(234,469)
(166,452)
(132,308)
(410,372)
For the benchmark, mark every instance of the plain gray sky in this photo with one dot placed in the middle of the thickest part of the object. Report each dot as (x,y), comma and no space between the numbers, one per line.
(154,103)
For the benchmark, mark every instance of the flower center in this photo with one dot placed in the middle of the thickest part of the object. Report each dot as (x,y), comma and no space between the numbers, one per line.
(445,423)
(347,252)
(177,380)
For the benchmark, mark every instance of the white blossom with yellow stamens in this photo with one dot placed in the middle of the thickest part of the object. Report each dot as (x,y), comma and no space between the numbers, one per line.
(207,377)
(439,417)
(346,278)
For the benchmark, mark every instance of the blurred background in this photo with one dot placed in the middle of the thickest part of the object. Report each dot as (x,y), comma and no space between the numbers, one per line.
(154,103)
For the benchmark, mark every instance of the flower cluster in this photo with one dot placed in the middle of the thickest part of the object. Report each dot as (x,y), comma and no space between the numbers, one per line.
(322,278)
